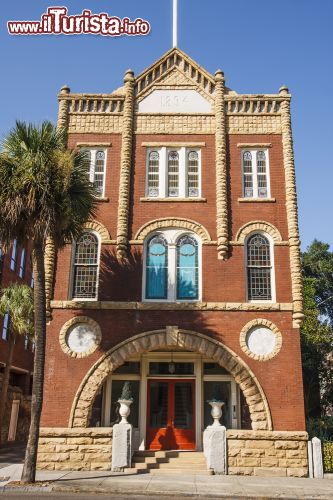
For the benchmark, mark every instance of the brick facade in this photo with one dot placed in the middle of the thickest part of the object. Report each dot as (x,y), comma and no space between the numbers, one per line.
(223,311)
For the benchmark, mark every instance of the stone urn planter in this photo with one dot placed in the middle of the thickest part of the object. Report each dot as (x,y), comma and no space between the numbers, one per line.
(125,401)
(216,412)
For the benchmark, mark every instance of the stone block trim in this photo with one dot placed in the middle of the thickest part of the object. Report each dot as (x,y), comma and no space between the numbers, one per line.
(187,224)
(267,453)
(272,327)
(161,339)
(257,225)
(76,321)
(100,229)
(75,449)
(251,124)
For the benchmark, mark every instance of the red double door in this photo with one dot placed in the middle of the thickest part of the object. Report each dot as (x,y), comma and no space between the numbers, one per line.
(171,416)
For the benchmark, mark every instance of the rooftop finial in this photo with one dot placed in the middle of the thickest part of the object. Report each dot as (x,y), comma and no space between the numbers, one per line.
(175,23)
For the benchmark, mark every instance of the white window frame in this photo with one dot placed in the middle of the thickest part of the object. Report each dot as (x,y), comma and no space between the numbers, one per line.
(172,236)
(183,172)
(22,263)
(13,257)
(93,152)
(273,287)
(5,327)
(255,173)
(71,281)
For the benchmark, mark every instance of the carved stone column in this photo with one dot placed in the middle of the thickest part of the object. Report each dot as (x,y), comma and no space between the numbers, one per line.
(291,206)
(50,251)
(221,168)
(125,168)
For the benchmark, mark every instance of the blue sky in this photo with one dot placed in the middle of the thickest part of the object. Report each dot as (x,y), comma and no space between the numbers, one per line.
(259,44)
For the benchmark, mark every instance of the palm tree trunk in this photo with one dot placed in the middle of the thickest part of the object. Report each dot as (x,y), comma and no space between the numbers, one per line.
(5,380)
(29,468)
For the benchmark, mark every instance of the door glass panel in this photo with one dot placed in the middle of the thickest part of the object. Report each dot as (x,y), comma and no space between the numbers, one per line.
(225,394)
(183,405)
(163,368)
(158,411)
(117,387)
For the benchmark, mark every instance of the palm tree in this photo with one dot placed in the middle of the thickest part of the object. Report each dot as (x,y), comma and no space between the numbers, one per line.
(45,193)
(17,301)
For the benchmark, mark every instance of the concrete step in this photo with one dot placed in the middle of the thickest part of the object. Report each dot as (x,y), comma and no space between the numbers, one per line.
(169,462)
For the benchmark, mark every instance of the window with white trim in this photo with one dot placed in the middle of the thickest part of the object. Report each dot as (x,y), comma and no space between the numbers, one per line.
(13,256)
(259,268)
(172,266)
(173,173)
(97,162)
(85,267)
(22,263)
(255,173)
(5,327)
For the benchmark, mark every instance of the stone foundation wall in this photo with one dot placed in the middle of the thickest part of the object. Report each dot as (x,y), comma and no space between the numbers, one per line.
(75,449)
(267,453)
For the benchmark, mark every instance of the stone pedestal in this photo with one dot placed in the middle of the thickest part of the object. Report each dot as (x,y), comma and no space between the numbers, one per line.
(121,447)
(214,439)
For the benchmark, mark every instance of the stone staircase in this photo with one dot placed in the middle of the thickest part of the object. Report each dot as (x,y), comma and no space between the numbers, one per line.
(169,462)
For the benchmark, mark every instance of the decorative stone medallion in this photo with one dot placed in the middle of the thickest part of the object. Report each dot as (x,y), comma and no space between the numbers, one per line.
(80,336)
(260,339)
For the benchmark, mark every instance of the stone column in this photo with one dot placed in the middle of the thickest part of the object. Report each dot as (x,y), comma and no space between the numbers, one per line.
(50,251)
(125,168)
(291,206)
(63,107)
(221,168)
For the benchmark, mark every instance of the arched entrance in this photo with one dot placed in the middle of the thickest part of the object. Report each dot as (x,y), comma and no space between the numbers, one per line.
(172,338)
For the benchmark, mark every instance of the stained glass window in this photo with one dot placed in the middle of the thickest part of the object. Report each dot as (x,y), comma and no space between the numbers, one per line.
(157,268)
(153,174)
(193,174)
(187,268)
(261,174)
(96,169)
(86,267)
(255,174)
(247,174)
(259,268)
(173,173)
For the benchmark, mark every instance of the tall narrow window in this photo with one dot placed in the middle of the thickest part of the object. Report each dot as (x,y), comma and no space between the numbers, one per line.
(187,268)
(5,327)
(153,174)
(173,174)
(255,174)
(247,174)
(193,174)
(13,256)
(96,160)
(32,281)
(86,267)
(157,269)
(22,263)
(261,174)
(259,268)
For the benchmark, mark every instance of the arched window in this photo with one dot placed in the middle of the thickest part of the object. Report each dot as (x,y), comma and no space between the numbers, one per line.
(247,174)
(193,174)
(85,278)
(157,268)
(153,174)
(259,268)
(261,174)
(187,268)
(173,173)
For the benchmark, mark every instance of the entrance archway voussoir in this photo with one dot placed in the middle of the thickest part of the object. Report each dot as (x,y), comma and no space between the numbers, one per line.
(171,337)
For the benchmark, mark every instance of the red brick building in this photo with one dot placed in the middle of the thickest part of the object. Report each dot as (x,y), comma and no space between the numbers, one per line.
(15,266)
(188,282)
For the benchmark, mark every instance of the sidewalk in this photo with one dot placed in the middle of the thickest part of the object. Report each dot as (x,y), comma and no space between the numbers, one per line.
(181,485)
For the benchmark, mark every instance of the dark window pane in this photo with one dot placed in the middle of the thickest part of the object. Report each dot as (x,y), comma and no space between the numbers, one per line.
(183,405)
(163,368)
(158,411)
(214,369)
(132,367)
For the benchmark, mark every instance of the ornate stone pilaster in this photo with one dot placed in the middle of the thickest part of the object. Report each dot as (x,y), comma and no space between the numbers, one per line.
(291,206)
(63,107)
(221,168)
(125,168)
(49,262)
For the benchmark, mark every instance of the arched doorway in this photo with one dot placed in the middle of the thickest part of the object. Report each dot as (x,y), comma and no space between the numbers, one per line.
(154,351)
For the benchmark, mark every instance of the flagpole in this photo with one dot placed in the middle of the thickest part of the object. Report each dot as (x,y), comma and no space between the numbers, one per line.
(175,23)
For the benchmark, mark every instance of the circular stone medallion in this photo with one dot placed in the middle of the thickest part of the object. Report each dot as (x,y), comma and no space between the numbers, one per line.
(261,341)
(81,338)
